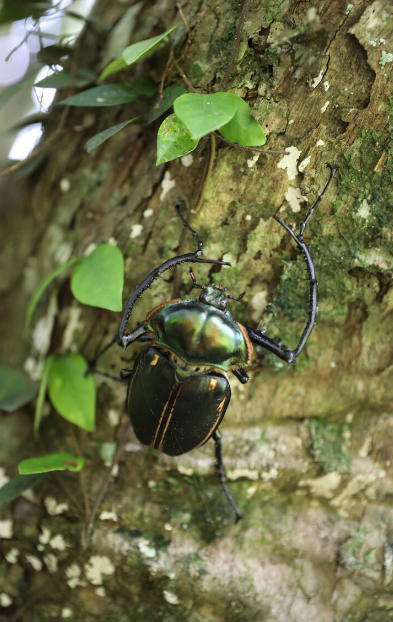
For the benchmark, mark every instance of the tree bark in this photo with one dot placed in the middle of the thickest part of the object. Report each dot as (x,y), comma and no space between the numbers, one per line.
(308,450)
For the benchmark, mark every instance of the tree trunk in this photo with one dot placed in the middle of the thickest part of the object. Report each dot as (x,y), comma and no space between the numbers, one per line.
(308,450)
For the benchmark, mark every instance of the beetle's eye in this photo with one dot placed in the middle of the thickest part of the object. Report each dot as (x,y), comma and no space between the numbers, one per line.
(202,297)
(223,303)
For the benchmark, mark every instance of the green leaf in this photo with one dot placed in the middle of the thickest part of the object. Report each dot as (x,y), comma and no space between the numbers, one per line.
(42,287)
(242,128)
(14,488)
(113,67)
(9,91)
(64,79)
(15,10)
(90,19)
(41,394)
(98,139)
(15,389)
(202,114)
(140,50)
(98,279)
(52,462)
(71,392)
(173,140)
(107,95)
(162,104)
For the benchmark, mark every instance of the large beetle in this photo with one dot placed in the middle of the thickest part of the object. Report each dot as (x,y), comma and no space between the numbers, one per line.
(178,390)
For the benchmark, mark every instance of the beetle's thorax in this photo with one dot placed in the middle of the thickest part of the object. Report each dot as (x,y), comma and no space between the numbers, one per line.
(199,334)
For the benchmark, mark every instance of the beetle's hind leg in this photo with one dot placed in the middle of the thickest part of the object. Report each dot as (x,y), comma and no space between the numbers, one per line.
(221,471)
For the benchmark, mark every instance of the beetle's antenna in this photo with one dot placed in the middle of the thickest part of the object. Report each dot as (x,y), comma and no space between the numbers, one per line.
(194,233)
(238,298)
(196,284)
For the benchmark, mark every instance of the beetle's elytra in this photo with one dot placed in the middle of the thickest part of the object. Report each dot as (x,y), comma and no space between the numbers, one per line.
(178,390)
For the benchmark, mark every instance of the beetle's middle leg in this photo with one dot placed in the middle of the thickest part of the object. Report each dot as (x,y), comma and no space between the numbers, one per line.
(221,471)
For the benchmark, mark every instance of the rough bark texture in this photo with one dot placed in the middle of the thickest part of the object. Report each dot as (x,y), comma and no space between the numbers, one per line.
(309,449)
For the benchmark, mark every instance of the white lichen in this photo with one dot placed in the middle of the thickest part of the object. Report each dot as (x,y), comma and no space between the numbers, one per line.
(12,556)
(6,529)
(73,573)
(317,80)
(320,143)
(326,85)
(364,209)
(187,160)
(58,543)
(107,515)
(258,304)
(97,567)
(51,562)
(146,548)
(100,591)
(304,163)
(289,162)
(386,57)
(185,470)
(113,417)
(66,612)
(294,198)
(5,600)
(44,536)
(252,161)
(167,184)
(65,184)
(35,562)
(148,212)
(136,230)
(89,249)
(252,474)
(53,508)
(349,9)
(324,107)
(171,598)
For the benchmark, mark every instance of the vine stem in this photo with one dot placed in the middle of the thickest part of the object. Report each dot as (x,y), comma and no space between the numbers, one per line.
(228,142)
(235,47)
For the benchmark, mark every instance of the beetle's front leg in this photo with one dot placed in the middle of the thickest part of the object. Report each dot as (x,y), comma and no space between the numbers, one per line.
(241,375)
(256,336)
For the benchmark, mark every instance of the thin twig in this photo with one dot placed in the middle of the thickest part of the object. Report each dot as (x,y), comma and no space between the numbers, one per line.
(42,147)
(185,22)
(212,157)
(183,75)
(88,527)
(249,148)
(27,35)
(165,74)
(235,47)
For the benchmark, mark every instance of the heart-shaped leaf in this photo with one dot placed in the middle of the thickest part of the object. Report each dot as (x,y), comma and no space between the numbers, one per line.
(17,485)
(242,128)
(140,50)
(98,139)
(15,389)
(98,279)
(162,104)
(105,95)
(173,140)
(202,114)
(71,392)
(52,462)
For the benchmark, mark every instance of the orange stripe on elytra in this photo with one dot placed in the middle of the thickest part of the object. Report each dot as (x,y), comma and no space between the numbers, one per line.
(161,418)
(248,342)
(164,304)
(169,418)
(220,407)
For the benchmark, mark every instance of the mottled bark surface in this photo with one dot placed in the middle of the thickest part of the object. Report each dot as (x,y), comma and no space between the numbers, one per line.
(309,449)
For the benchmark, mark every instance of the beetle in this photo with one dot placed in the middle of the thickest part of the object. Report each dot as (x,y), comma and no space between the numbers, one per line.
(178,390)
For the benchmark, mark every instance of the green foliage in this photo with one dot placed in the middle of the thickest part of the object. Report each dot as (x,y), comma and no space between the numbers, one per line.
(72,392)
(52,462)
(326,442)
(173,140)
(64,79)
(42,287)
(17,485)
(11,90)
(135,52)
(164,102)
(15,389)
(98,279)
(202,114)
(101,96)
(242,128)
(98,139)
(41,394)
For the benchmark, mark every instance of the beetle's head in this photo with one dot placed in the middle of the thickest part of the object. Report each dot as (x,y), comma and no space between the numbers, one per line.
(215,296)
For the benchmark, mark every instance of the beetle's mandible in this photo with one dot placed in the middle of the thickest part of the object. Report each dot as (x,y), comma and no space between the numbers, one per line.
(178,389)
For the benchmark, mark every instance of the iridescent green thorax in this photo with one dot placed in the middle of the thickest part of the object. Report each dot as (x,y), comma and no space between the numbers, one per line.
(200,334)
